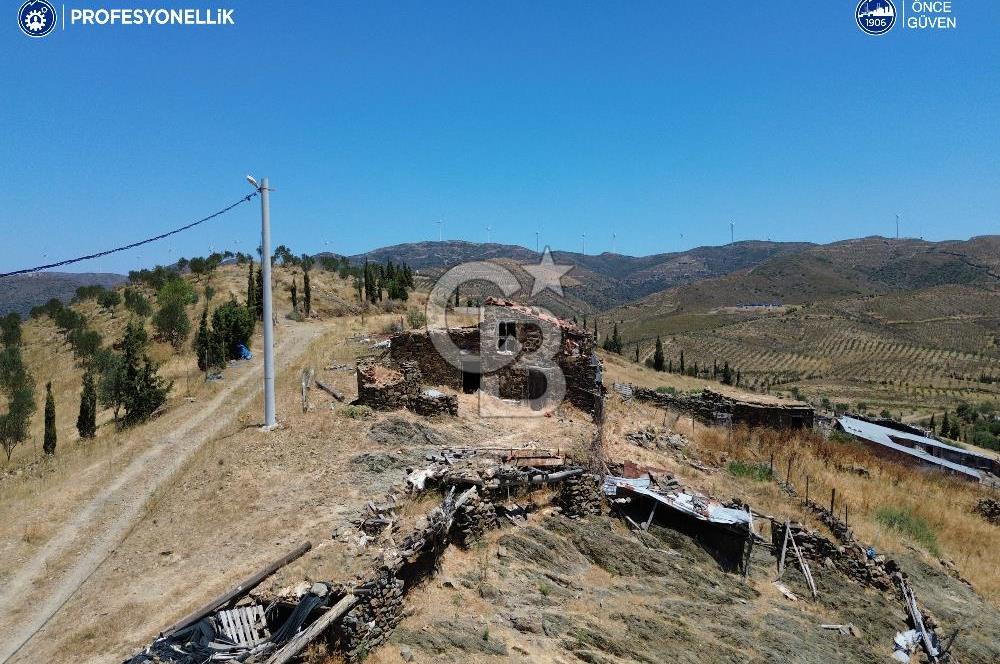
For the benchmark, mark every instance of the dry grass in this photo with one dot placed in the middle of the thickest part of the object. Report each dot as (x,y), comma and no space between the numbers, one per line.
(894,507)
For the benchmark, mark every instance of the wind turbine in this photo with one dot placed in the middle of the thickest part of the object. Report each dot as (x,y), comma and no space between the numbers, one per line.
(489,229)
(439,222)
(732,232)
(614,236)
(583,243)
(897,225)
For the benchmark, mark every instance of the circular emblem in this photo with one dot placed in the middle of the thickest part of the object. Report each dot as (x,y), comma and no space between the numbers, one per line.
(876,17)
(36,18)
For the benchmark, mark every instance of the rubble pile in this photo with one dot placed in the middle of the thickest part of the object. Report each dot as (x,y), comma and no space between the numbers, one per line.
(655,439)
(989,509)
(369,624)
(853,560)
(580,496)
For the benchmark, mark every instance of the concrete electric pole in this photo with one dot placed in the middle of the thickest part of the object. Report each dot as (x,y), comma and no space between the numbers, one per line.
(265,266)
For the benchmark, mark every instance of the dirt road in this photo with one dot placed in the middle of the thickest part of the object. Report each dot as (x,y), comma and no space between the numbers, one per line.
(83,542)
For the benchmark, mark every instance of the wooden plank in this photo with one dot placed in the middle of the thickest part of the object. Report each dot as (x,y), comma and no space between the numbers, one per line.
(298,642)
(329,390)
(784,548)
(240,589)
(802,563)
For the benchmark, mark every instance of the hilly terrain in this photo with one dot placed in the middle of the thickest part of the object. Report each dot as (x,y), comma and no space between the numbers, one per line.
(897,324)
(21,292)
(602,281)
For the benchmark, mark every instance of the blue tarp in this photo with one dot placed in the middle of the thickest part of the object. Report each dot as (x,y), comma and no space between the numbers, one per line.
(244,352)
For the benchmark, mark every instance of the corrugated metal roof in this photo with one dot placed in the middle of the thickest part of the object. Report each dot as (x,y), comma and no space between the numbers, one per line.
(884,436)
(699,507)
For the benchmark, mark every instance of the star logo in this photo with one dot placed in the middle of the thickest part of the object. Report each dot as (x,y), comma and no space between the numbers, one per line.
(547,274)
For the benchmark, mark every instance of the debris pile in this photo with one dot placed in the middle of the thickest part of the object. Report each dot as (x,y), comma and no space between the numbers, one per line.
(853,560)
(989,509)
(656,439)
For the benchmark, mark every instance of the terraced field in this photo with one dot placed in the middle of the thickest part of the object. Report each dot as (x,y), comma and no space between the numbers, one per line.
(916,351)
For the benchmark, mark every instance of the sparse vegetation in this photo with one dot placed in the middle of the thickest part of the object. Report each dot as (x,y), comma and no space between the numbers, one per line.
(909,524)
(759,472)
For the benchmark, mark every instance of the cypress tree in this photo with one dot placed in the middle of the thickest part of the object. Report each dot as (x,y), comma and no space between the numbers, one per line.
(945,427)
(202,342)
(251,288)
(306,293)
(933,426)
(658,355)
(49,444)
(727,374)
(637,346)
(86,421)
(681,369)
(670,366)
(737,378)
(295,296)
(259,299)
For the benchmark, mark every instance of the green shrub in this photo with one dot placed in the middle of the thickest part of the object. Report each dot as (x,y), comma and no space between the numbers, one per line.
(666,389)
(907,523)
(759,472)
(355,412)
(416,318)
(233,324)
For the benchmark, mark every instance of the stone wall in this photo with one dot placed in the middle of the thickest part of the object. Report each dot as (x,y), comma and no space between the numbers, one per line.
(580,496)
(369,624)
(384,388)
(707,404)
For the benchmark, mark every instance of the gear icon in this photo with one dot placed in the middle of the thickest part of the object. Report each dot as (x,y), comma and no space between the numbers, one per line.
(35,20)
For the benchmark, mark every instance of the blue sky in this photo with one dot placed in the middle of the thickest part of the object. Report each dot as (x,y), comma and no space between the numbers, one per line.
(660,121)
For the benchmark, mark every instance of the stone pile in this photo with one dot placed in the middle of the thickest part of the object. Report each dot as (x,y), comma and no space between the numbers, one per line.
(473,520)
(580,496)
(851,559)
(653,438)
(989,509)
(369,624)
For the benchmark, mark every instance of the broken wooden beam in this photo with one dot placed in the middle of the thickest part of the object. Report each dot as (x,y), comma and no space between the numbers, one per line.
(329,390)
(298,642)
(240,589)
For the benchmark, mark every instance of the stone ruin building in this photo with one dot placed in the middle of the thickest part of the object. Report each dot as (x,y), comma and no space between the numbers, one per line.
(529,344)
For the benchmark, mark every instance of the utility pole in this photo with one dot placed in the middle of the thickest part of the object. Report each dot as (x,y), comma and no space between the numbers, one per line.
(265,266)
(489,229)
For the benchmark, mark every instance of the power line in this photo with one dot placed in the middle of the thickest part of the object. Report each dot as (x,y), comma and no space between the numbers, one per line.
(39,268)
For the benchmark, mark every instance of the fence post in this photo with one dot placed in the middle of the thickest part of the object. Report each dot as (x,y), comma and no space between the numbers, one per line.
(807,490)
(833,499)
(788,475)
(772,465)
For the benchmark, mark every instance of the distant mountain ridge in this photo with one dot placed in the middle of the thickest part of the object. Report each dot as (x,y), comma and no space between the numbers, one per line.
(23,291)
(600,281)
